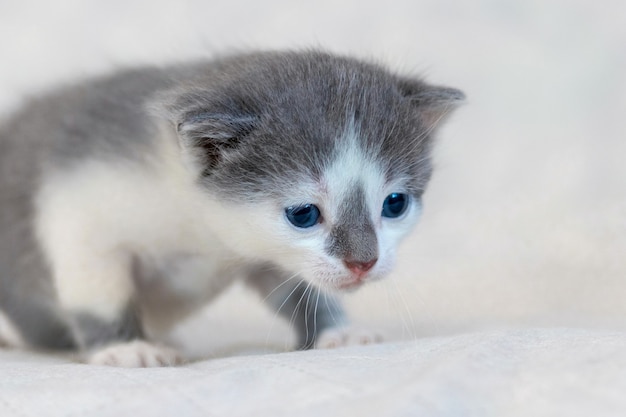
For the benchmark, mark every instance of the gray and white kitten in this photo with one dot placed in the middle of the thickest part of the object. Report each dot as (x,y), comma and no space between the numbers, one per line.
(128,202)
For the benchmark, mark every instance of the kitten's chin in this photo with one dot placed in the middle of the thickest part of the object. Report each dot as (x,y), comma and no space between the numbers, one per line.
(350,286)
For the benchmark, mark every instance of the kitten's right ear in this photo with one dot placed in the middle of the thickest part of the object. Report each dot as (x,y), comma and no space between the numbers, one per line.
(207,127)
(433,103)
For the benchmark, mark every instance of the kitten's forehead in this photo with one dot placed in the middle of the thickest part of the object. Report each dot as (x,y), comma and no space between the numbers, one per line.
(354,169)
(335,124)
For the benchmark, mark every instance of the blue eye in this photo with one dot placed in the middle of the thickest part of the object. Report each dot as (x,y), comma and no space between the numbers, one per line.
(395,205)
(304,216)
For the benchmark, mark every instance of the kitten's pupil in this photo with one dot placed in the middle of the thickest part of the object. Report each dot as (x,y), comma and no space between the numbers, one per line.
(304,216)
(395,205)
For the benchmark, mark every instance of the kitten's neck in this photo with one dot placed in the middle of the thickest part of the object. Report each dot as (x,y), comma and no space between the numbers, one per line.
(209,216)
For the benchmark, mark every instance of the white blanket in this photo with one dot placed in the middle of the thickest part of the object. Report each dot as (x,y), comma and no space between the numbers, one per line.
(535,372)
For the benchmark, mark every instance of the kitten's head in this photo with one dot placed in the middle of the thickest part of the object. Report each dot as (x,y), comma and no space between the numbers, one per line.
(314,162)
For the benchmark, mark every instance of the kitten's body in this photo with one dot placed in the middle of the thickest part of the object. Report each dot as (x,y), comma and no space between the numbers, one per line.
(129,202)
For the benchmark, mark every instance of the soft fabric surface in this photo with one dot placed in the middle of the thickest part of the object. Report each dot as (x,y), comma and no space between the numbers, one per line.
(524,223)
(539,372)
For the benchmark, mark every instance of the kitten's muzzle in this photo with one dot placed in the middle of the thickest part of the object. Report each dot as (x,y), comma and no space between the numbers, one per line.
(359,270)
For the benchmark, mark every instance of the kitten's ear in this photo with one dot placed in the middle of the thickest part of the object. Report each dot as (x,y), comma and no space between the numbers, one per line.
(434,103)
(207,124)
(207,134)
(207,127)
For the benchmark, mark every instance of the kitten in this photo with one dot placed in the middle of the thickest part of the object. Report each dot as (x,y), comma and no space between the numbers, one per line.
(129,202)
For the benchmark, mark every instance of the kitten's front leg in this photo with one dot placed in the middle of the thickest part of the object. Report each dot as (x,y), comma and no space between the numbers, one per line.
(98,293)
(119,342)
(317,316)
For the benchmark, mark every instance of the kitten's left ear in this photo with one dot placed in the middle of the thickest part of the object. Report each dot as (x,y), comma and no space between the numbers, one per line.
(433,103)
(208,124)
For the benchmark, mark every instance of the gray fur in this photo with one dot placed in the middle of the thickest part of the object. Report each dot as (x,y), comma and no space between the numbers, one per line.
(26,293)
(258,122)
(310,309)
(353,238)
(306,100)
(92,332)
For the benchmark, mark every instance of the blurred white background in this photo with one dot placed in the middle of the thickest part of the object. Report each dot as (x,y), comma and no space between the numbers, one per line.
(525,220)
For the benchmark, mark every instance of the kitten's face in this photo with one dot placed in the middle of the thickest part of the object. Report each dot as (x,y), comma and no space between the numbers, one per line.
(318,162)
(339,229)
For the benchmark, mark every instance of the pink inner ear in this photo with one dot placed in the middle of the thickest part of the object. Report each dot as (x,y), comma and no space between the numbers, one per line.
(432,117)
(436,103)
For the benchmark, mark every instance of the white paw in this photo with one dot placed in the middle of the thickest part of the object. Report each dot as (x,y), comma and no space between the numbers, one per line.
(136,354)
(347,336)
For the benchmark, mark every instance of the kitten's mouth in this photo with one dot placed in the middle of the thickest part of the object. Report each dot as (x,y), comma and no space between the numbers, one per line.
(350,285)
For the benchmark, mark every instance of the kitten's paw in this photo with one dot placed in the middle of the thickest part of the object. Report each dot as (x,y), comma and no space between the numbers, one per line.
(136,354)
(347,336)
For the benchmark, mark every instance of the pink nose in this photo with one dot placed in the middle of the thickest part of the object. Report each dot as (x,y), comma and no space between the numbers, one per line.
(359,268)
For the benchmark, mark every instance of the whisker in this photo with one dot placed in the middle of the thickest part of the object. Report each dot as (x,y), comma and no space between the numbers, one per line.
(410,329)
(280,285)
(297,307)
(277,312)
(330,310)
(306,311)
(315,316)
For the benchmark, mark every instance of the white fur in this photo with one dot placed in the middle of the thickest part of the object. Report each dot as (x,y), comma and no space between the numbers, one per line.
(9,335)
(136,354)
(91,220)
(347,336)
